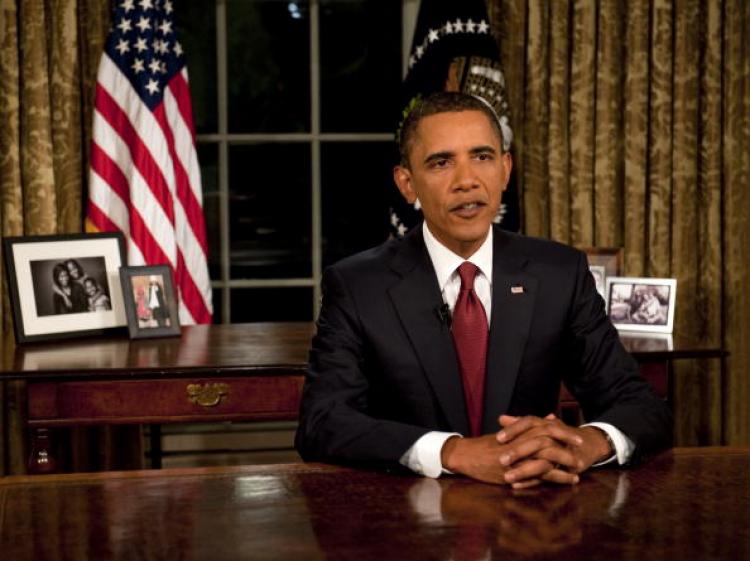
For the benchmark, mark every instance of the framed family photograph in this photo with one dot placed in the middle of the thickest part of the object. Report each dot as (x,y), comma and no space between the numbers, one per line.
(641,304)
(65,285)
(600,279)
(607,259)
(150,301)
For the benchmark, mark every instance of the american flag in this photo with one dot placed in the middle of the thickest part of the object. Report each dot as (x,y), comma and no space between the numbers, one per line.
(145,179)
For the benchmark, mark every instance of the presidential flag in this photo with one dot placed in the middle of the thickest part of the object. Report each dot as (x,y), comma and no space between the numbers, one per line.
(453,49)
(144,177)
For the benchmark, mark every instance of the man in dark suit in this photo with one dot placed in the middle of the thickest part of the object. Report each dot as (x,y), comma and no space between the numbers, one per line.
(444,352)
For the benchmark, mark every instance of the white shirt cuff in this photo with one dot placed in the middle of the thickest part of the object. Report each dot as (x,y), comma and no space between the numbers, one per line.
(424,455)
(624,447)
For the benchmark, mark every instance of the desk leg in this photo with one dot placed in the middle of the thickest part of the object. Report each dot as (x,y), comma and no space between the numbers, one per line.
(41,459)
(154,436)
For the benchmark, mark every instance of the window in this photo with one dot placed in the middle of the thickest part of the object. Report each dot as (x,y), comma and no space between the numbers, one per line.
(295,104)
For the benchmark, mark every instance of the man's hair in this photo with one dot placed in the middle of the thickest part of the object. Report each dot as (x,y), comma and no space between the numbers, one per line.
(441,102)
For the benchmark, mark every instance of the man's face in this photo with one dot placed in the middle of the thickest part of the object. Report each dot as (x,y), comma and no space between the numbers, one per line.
(458,172)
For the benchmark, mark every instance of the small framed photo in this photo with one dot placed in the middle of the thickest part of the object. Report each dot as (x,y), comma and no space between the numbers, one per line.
(610,258)
(641,304)
(66,285)
(600,279)
(150,301)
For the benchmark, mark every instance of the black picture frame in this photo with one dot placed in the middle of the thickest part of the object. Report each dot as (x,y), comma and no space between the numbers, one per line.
(144,319)
(45,310)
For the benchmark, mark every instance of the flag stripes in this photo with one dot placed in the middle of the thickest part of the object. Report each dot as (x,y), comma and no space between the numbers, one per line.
(145,178)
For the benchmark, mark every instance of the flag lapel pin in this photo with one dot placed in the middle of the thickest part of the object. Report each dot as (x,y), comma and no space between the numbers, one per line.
(517,289)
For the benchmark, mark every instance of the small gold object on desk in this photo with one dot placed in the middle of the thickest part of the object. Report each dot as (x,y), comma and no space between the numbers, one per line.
(207,395)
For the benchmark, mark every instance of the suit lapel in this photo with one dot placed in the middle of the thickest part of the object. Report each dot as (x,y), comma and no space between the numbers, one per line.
(513,297)
(417,300)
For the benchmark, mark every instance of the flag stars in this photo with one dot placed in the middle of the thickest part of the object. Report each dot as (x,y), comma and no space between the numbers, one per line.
(168,7)
(152,87)
(483,27)
(127,5)
(420,51)
(448,27)
(143,24)
(161,47)
(470,25)
(140,44)
(433,35)
(155,66)
(412,61)
(124,25)
(122,47)
(458,26)
(146,5)
(177,48)
(166,27)
(137,65)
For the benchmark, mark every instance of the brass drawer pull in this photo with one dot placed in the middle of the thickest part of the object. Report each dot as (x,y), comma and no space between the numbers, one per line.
(207,395)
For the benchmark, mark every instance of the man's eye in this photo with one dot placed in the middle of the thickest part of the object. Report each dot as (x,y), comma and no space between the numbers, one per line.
(484,156)
(441,163)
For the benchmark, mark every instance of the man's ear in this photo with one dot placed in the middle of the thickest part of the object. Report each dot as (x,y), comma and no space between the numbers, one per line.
(507,163)
(402,178)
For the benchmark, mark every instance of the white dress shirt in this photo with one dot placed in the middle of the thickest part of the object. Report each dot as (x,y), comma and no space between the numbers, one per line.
(424,455)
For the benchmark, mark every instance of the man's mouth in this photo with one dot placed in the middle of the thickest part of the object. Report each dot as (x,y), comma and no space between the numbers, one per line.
(468,210)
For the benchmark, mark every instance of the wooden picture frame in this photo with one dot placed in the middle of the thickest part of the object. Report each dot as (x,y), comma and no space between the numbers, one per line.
(63,286)
(150,301)
(608,257)
(641,304)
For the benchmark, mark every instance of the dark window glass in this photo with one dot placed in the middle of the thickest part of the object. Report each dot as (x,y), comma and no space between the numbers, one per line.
(216,294)
(269,210)
(268,66)
(271,304)
(360,57)
(208,155)
(356,182)
(196,30)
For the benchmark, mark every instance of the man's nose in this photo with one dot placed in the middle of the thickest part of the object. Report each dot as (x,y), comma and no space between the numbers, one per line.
(465,177)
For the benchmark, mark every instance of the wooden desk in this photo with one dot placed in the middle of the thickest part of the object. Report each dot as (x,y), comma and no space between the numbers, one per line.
(238,372)
(690,504)
(250,372)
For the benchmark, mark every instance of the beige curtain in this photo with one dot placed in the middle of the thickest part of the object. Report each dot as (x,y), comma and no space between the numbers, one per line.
(632,122)
(49,52)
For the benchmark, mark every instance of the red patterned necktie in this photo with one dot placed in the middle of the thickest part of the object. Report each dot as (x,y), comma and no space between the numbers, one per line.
(470,334)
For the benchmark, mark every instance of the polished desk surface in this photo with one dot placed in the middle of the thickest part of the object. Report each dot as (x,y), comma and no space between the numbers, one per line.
(233,347)
(200,349)
(685,504)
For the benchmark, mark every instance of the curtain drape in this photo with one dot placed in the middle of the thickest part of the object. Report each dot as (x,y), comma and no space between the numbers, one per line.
(49,52)
(632,124)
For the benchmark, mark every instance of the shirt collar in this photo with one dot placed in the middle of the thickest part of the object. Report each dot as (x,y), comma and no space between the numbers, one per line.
(445,262)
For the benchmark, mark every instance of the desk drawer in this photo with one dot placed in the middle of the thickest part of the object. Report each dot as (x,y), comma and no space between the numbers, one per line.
(165,400)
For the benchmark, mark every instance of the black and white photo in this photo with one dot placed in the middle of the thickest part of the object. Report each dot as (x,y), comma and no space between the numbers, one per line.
(641,304)
(70,286)
(65,285)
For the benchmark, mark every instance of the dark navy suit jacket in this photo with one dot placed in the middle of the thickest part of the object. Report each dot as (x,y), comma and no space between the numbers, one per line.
(383,369)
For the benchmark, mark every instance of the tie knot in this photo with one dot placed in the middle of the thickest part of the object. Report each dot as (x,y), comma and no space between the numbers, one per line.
(467,271)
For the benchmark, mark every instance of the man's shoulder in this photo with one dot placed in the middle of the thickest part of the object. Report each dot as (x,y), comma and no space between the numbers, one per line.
(535,249)
(373,260)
